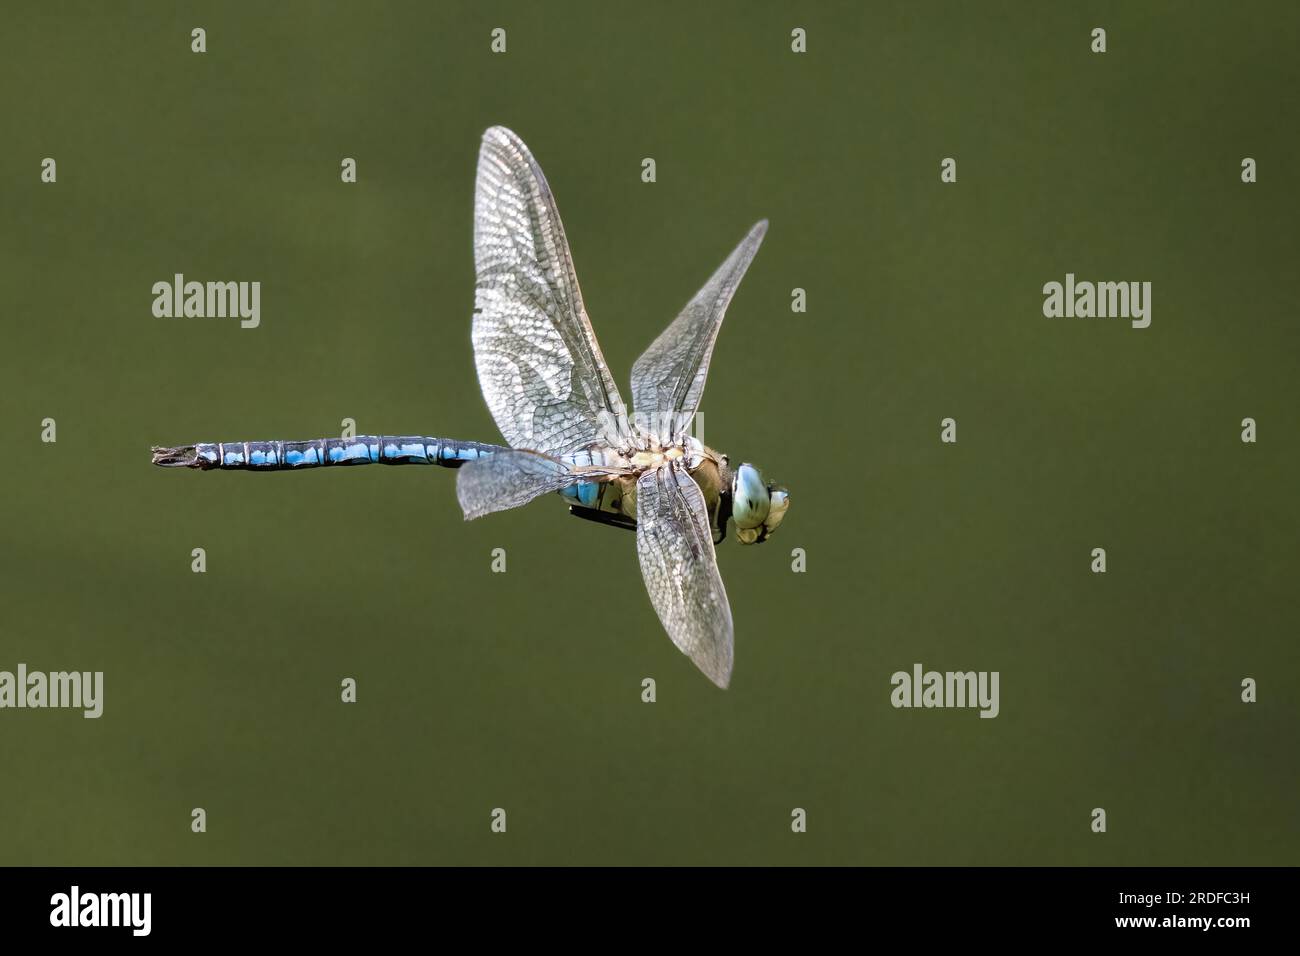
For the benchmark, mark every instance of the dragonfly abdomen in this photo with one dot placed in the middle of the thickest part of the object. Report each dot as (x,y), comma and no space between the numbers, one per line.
(323,452)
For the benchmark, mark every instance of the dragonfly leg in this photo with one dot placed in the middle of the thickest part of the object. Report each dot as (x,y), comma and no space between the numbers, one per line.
(628,524)
(603,517)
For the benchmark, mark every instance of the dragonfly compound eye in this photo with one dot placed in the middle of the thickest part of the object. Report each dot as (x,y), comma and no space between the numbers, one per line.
(780,504)
(749,499)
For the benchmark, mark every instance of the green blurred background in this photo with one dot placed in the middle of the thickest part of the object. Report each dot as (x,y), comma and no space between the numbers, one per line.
(522,691)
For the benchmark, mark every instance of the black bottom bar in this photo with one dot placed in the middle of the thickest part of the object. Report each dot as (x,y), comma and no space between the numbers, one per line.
(918,907)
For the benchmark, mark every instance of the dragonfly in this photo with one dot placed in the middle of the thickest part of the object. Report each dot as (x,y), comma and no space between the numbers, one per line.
(566,428)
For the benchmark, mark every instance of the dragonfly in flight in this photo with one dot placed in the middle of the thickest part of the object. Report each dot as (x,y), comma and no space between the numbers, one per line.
(566,427)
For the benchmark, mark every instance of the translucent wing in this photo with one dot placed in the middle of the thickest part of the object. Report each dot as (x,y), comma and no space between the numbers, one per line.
(668,379)
(539,366)
(680,570)
(509,479)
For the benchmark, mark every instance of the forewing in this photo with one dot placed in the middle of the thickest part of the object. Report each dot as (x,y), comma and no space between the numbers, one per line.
(668,378)
(539,365)
(680,570)
(509,479)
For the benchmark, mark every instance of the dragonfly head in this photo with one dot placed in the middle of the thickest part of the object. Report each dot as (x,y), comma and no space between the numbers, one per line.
(757,507)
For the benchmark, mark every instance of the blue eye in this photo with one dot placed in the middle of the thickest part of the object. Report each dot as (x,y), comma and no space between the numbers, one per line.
(750,501)
(780,505)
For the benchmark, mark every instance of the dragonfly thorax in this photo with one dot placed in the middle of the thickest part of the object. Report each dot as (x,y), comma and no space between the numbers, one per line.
(691,450)
(646,460)
(733,496)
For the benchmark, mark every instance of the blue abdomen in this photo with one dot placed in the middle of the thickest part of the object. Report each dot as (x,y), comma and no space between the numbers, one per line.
(585,493)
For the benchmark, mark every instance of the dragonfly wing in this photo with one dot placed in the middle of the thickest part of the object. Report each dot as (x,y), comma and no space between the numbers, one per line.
(509,479)
(668,378)
(539,365)
(680,570)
